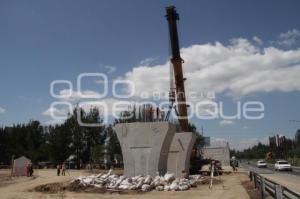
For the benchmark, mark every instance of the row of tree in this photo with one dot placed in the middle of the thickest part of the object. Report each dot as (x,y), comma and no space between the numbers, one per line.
(258,151)
(290,149)
(57,143)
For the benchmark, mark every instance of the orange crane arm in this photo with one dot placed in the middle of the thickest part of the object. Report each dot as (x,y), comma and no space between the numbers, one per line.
(172,17)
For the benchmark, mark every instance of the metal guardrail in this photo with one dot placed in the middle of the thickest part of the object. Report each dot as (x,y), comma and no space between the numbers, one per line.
(272,188)
(296,169)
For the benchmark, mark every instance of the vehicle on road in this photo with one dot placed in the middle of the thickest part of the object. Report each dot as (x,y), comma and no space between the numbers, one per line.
(261,164)
(282,165)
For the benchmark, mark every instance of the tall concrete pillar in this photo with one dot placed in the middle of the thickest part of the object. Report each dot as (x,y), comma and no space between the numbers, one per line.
(145,146)
(180,153)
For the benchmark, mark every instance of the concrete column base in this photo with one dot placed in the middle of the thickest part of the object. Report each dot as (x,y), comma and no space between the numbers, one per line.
(145,146)
(180,153)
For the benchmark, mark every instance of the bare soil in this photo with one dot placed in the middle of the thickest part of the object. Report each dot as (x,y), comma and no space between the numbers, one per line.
(46,184)
(253,193)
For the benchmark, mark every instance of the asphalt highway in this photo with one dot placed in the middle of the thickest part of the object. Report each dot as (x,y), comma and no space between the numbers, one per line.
(270,169)
(290,179)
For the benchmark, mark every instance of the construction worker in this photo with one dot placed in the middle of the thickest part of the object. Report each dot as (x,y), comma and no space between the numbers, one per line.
(63,169)
(30,169)
(58,167)
(233,163)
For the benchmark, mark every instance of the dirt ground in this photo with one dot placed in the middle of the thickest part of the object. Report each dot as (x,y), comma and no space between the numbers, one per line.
(23,187)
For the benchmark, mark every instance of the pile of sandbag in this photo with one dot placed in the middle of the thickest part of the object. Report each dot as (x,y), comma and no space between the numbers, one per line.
(168,182)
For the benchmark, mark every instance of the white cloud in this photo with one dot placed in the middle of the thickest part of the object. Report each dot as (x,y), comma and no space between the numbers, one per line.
(258,40)
(71,98)
(54,122)
(226,122)
(99,81)
(53,111)
(58,113)
(67,95)
(110,69)
(2,110)
(238,69)
(147,61)
(288,38)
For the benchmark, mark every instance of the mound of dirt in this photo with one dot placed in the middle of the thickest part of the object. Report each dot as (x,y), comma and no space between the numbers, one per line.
(207,181)
(50,188)
(75,186)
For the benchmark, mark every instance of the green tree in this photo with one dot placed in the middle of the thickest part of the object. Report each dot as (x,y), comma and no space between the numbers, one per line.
(297,138)
(59,143)
(113,144)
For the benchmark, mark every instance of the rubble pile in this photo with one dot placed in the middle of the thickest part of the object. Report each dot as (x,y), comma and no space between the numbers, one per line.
(168,182)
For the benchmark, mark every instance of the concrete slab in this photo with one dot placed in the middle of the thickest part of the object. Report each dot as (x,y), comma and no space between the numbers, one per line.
(145,146)
(217,153)
(180,152)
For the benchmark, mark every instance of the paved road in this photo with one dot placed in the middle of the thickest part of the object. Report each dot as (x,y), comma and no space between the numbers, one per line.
(286,178)
(269,170)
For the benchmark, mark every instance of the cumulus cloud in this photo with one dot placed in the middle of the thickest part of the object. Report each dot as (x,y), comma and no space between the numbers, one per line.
(237,69)
(2,110)
(226,122)
(257,40)
(69,100)
(54,122)
(54,111)
(58,114)
(73,96)
(147,61)
(288,38)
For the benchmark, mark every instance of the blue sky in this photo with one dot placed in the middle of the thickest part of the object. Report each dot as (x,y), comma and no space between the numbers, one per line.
(42,41)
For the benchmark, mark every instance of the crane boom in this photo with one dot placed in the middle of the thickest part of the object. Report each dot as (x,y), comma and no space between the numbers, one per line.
(172,17)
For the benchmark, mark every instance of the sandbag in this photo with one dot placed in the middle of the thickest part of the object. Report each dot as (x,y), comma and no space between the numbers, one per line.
(168,182)
(169,177)
(146,187)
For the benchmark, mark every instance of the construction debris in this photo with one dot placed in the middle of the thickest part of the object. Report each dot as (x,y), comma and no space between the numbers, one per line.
(168,182)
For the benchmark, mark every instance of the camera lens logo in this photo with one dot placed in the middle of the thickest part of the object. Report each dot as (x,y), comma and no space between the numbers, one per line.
(68,99)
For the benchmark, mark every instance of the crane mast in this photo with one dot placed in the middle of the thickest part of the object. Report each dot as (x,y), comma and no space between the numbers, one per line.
(172,17)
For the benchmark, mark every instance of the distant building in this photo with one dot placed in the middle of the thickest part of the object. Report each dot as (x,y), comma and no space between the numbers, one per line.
(280,141)
(217,153)
(280,145)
